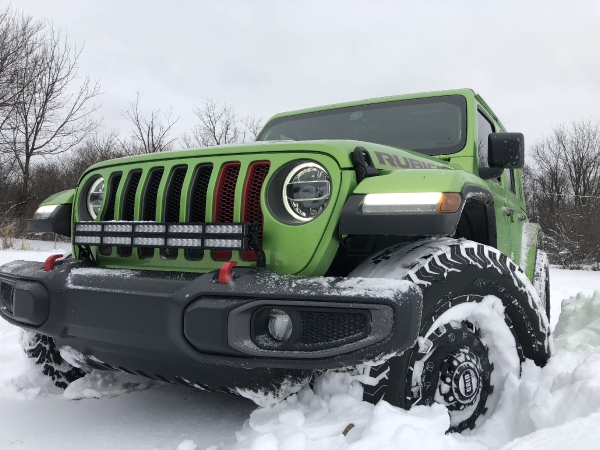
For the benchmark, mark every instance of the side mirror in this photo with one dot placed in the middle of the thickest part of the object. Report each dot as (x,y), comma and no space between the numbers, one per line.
(506,150)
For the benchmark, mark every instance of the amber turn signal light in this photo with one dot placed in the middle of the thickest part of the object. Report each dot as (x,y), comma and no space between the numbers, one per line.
(449,203)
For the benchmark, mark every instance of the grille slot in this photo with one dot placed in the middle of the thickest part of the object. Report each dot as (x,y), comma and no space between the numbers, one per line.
(6,295)
(151,194)
(109,211)
(113,185)
(225,200)
(173,203)
(252,211)
(327,327)
(128,204)
(197,202)
(149,204)
(128,209)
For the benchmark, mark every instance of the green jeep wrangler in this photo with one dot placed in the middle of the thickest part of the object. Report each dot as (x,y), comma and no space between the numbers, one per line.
(384,237)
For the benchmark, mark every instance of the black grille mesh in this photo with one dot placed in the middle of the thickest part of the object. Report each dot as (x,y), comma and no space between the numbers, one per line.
(149,205)
(109,211)
(173,200)
(173,203)
(151,194)
(128,209)
(6,294)
(197,202)
(323,327)
(198,194)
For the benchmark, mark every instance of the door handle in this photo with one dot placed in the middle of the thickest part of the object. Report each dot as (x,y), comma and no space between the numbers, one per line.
(521,217)
(508,211)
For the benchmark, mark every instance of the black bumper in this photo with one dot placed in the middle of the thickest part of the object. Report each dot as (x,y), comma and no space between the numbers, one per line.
(174,327)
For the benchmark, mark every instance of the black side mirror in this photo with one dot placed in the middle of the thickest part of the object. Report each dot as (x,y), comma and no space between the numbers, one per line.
(506,150)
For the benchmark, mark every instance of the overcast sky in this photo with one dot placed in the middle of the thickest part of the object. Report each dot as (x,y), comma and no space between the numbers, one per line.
(537,63)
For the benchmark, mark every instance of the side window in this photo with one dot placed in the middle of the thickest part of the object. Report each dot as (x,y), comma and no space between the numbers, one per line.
(519,175)
(484,128)
(510,179)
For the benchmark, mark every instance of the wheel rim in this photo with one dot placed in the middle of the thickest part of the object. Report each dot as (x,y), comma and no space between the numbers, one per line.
(452,367)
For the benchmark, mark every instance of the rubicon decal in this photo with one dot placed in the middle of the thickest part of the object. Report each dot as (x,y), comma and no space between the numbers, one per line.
(405,163)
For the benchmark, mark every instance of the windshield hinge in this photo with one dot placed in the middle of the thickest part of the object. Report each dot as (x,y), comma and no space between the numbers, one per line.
(363,164)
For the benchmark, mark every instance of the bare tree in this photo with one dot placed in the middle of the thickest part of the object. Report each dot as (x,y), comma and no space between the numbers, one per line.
(253,127)
(219,125)
(563,192)
(148,135)
(18,39)
(52,113)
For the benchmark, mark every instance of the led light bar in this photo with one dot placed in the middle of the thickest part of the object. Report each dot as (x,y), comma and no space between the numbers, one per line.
(185,229)
(224,229)
(222,243)
(118,228)
(182,242)
(401,202)
(149,241)
(43,212)
(116,240)
(87,240)
(150,228)
(94,228)
(213,236)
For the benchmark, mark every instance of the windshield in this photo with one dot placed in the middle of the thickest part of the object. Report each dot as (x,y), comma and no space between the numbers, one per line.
(433,126)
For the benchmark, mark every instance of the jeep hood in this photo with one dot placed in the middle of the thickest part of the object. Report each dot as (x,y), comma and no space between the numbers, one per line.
(384,157)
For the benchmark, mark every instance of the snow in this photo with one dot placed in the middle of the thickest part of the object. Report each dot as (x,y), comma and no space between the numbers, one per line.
(555,407)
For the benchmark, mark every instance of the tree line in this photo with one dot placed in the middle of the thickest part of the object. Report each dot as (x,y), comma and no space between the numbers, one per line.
(50,133)
(562,190)
(49,124)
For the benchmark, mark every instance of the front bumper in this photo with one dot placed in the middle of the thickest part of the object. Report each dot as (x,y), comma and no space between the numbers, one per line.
(181,326)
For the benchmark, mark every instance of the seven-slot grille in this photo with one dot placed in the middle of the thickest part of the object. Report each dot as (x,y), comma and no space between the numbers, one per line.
(132,197)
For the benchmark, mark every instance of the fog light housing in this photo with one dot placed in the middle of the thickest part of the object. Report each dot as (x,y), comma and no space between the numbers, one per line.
(279,325)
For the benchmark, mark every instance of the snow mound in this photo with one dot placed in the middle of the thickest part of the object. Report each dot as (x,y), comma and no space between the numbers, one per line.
(331,414)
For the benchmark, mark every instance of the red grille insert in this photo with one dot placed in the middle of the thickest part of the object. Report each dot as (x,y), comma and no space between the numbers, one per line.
(224,201)
(251,210)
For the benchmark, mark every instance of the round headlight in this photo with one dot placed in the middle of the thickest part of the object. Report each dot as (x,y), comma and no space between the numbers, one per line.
(280,325)
(95,197)
(306,191)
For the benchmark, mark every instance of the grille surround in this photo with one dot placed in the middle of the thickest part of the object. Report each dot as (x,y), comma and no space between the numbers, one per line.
(182,191)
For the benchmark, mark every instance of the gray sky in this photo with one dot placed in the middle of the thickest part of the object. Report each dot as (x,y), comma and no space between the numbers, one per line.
(537,63)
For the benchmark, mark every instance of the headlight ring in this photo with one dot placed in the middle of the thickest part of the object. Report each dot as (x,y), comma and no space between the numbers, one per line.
(306,191)
(95,197)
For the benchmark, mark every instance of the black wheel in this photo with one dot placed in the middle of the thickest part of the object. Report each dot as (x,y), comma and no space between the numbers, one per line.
(460,357)
(43,350)
(453,369)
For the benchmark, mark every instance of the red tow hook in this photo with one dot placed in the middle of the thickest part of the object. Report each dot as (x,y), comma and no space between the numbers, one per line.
(225,272)
(49,264)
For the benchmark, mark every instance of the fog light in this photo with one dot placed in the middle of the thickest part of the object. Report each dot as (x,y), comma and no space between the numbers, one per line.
(280,325)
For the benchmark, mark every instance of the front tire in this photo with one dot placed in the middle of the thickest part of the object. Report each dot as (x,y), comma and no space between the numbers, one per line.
(458,279)
(42,349)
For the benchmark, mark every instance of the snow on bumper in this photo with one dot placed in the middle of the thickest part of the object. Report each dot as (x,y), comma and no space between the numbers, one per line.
(174,326)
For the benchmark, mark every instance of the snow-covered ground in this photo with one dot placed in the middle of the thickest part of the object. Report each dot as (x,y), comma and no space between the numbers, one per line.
(557,407)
